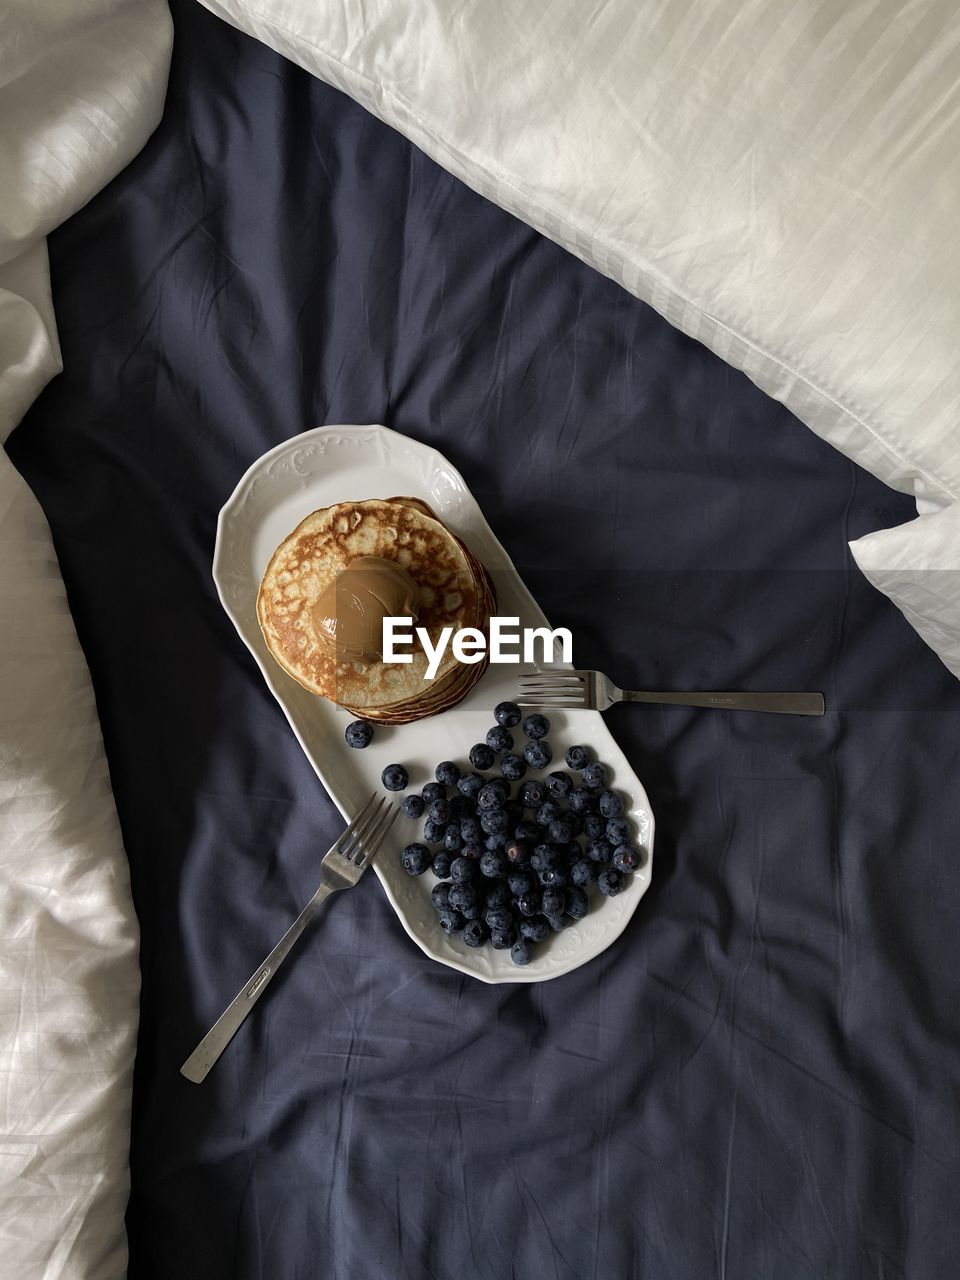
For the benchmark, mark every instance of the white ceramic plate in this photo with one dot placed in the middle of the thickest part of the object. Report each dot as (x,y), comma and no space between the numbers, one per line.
(338,464)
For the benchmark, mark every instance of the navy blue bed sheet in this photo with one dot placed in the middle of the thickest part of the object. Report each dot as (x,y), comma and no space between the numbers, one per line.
(760,1077)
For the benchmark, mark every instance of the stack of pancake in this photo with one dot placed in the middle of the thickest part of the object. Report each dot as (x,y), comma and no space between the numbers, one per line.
(404,559)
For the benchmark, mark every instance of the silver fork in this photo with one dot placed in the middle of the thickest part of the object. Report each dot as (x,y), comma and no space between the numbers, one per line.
(593,691)
(341,868)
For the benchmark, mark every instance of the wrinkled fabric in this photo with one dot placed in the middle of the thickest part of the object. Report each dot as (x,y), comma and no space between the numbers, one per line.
(81,87)
(780,182)
(759,1078)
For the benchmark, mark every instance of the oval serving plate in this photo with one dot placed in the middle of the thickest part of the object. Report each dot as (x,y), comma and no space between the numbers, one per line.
(337,464)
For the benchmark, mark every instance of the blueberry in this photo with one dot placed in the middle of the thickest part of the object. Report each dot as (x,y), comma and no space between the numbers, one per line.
(434,791)
(576,824)
(453,840)
(496,842)
(415,859)
(595,776)
(554,902)
(610,882)
(534,930)
(560,831)
(433,832)
(494,822)
(618,831)
(583,873)
(536,726)
(481,757)
(473,852)
(557,923)
(544,855)
(499,918)
(538,754)
(441,864)
(462,896)
(359,734)
(528,904)
(519,883)
(439,812)
(461,807)
(507,714)
(461,870)
(593,826)
(611,806)
(582,802)
(513,767)
(394,777)
(559,784)
(469,785)
(578,904)
(520,952)
(529,832)
(577,758)
(533,793)
(600,850)
(448,773)
(554,877)
(493,866)
(497,895)
(491,795)
(471,913)
(626,858)
(503,939)
(412,806)
(440,895)
(499,740)
(451,921)
(471,831)
(475,933)
(548,812)
(517,851)
(514,811)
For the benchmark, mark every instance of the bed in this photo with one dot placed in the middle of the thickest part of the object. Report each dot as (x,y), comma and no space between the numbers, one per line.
(759,1078)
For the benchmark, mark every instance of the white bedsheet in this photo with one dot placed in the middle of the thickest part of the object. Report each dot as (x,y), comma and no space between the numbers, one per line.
(81,88)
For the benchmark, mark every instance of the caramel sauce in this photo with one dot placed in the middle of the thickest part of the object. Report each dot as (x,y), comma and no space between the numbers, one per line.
(348,616)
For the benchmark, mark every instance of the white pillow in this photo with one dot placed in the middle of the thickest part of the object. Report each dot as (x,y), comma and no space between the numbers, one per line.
(81,87)
(918,567)
(781,181)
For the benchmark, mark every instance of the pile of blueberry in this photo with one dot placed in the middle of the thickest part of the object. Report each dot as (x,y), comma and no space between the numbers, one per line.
(516,859)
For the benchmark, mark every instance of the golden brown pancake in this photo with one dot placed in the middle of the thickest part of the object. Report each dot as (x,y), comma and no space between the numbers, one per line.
(453,590)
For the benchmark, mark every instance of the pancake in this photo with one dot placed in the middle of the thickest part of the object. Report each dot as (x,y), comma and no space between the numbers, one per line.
(442,694)
(452,589)
(435,691)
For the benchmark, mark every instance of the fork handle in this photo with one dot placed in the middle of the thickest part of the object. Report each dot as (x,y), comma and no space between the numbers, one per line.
(223,1030)
(797,704)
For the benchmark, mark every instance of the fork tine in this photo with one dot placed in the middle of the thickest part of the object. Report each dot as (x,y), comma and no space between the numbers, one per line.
(572,687)
(371,843)
(555,704)
(554,689)
(552,677)
(558,704)
(363,833)
(360,823)
(554,686)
